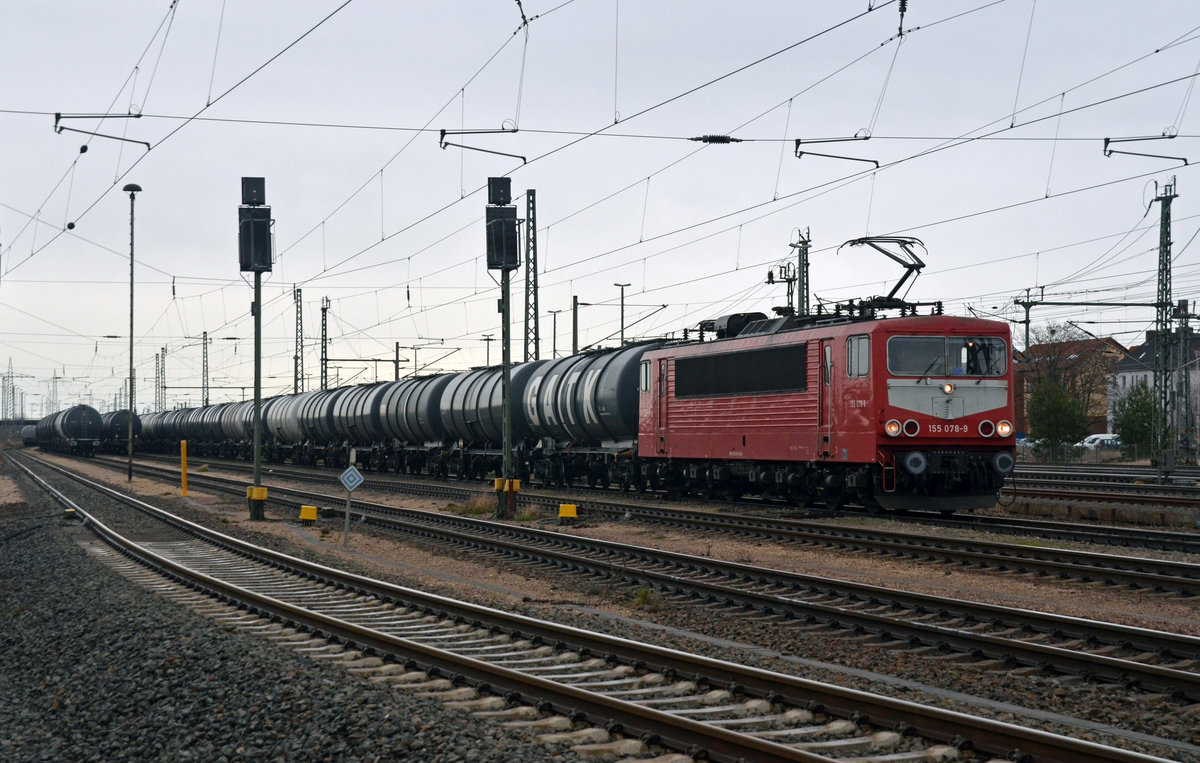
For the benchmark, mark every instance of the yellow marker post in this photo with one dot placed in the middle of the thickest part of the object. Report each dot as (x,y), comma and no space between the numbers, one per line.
(567,513)
(183,464)
(256,497)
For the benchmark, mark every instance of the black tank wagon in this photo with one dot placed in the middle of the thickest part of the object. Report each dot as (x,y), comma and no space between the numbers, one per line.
(78,431)
(115,432)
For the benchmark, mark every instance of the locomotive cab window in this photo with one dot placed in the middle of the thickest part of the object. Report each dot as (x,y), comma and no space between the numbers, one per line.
(953,355)
(644,377)
(858,355)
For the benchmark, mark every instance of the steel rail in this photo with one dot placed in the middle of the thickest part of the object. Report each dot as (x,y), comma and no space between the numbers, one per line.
(976,733)
(984,646)
(1137,572)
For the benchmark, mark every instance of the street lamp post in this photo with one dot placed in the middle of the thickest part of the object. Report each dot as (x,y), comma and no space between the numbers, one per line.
(574,324)
(554,338)
(622,287)
(131,189)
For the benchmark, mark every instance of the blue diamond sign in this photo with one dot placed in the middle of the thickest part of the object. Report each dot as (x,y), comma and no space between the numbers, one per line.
(351,478)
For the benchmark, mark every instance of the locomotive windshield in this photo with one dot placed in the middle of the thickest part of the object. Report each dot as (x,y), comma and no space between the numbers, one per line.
(947,356)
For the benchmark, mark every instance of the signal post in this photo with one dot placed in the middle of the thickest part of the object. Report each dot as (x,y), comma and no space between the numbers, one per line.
(504,255)
(254,255)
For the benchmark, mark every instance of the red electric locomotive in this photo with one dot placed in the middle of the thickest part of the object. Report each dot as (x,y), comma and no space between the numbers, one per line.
(911,412)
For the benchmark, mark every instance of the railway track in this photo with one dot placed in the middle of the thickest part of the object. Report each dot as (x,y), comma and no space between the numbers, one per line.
(1078,532)
(1084,566)
(1084,490)
(1152,660)
(1131,537)
(1111,473)
(1128,485)
(549,677)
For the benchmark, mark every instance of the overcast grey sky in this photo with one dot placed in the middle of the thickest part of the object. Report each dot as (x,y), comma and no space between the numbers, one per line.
(988,121)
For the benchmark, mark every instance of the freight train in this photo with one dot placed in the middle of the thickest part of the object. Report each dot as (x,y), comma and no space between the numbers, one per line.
(896,413)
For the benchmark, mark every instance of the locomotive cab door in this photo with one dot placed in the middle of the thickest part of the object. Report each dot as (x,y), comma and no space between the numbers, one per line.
(825,402)
(660,444)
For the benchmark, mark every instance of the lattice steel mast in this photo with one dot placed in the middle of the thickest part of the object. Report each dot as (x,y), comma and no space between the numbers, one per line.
(324,342)
(1164,430)
(298,358)
(531,283)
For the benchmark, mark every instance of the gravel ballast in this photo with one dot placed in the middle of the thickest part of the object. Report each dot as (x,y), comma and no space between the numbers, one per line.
(93,667)
(1098,712)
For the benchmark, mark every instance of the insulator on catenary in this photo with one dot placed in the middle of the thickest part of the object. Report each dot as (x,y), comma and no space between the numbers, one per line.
(716,139)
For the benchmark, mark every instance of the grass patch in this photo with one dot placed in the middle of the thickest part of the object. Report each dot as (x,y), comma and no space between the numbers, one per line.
(1035,542)
(646,599)
(480,505)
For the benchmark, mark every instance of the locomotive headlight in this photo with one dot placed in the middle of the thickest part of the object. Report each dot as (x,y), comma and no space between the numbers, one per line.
(986,429)
(912,428)
(892,428)
(947,388)
(1004,428)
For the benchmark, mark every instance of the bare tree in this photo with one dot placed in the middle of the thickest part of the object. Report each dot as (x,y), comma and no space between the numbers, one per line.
(1080,365)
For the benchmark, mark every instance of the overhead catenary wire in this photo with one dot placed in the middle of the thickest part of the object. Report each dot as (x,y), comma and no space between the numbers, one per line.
(1024,57)
(601,130)
(188,121)
(999,137)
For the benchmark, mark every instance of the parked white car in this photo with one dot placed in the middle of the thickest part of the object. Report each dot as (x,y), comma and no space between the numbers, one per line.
(1094,441)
